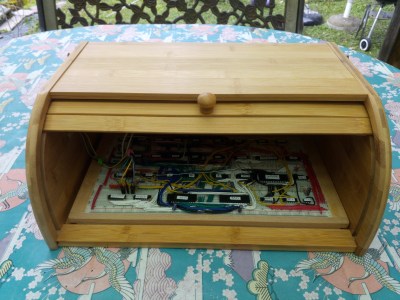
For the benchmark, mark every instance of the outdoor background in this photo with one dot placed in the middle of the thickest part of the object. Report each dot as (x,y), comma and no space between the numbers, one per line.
(326,8)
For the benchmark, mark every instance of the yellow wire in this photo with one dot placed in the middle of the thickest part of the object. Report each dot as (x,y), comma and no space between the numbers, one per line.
(153,180)
(183,186)
(126,170)
(149,187)
(291,181)
(209,157)
(213,182)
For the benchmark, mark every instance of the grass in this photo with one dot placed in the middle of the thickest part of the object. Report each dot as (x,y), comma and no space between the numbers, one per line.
(334,7)
(18,3)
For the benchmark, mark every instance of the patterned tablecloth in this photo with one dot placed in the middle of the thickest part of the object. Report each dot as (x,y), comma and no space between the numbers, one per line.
(29,270)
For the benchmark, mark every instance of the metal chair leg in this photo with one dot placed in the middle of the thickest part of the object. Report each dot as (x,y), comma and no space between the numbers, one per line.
(364,21)
(375,20)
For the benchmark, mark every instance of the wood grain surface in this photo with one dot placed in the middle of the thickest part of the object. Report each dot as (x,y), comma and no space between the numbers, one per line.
(183,236)
(288,89)
(231,71)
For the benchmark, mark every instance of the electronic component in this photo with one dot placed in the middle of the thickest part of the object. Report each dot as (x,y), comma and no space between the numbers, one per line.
(219,176)
(268,200)
(265,157)
(244,176)
(272,178)
(234,199)
(186,176)
(116,197)
(177,198)
(300,177)
(128,174)
(292,158)
(196,157)
(289,199)
(308,200)
(126,188)
(141,197)
(147,174)
(241,157)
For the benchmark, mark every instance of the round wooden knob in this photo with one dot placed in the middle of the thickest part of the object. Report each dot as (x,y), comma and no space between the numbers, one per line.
(206,102)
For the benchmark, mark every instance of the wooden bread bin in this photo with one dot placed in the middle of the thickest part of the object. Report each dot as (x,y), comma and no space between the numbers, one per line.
(311,91)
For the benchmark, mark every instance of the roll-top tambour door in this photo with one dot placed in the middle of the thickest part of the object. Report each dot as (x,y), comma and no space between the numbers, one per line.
(258,89)
(226,118)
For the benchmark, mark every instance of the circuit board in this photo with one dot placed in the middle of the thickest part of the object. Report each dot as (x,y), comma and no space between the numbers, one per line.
(207,174)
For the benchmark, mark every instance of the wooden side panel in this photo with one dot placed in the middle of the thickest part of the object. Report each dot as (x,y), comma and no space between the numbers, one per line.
(379,190)
(382,163)
(349,163)
(34,174)
(226,237)
(34,151)
(65,163)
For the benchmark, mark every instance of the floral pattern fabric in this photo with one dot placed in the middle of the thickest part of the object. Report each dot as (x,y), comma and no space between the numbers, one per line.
(29,270)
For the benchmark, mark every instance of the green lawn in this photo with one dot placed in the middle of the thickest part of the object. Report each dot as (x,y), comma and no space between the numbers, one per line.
(333,7)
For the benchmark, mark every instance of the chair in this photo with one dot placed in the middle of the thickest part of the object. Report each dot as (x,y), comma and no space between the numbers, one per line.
(365,42)
(255,13)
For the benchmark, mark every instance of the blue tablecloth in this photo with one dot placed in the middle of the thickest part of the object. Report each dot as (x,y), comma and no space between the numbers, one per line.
(29,270)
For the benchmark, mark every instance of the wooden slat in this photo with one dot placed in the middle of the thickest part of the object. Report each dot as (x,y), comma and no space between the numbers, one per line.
(234,72)
(183,236)
(124,108)
(206,51)
(335,222)
(208,125)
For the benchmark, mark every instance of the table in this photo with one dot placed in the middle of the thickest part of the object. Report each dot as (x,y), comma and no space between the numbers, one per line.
(29,270)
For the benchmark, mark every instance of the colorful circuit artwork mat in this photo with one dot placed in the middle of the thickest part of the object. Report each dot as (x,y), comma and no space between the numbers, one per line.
(29,270)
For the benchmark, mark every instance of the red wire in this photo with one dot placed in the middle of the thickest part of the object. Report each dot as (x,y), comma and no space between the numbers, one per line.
(96,196)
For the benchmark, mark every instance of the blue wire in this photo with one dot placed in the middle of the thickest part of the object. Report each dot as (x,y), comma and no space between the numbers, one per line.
(193,208)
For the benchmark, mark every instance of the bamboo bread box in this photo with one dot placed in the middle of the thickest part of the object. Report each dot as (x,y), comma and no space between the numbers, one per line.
(309,92)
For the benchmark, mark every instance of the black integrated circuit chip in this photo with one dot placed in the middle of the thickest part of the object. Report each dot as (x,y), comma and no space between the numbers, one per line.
(179,198)
(245,199)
